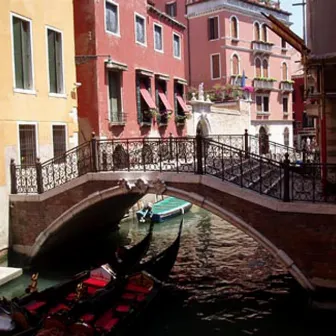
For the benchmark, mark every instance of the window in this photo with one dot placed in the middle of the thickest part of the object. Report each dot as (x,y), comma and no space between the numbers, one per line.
(234,27)
(235,65)
(213,28)
(158,42)
(140,29)
(180,105)
(284,71)
(283,43)
(171,9)
(59,141)
(215,66)
(111,17)
(285,104)
(22,51)
(258,67)
(286,136)
(262,103)
(55,62)
(264,33)
(162,102)
(256,31)
(265,68)
(27,138)
(145,103)
(177,45)
(115,107)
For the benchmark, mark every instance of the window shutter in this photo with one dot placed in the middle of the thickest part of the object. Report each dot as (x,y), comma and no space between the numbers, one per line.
(258,67)
(27,61)
(59,65)
(52,61)
(18,56)
(259,103)
(114,91)
(266,104)
(138,98)
(265,69)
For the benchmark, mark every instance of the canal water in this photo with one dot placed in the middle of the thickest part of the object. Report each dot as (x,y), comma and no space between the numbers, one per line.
(223,283)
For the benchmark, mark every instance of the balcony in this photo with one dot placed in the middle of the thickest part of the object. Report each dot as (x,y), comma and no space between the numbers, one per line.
(263,84)
(286,86)
(312,109)
(261,47)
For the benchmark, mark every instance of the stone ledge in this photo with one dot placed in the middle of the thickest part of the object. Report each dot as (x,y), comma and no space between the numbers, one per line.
(9,273)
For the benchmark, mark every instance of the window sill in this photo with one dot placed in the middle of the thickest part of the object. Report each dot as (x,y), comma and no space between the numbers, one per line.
(57,95)
(215,39)
(263,113)
(141,44)
(179,58)
(113,34)
(145,124)
(159,51)
(29,92)
(117,123)
(163,124)
(234,39)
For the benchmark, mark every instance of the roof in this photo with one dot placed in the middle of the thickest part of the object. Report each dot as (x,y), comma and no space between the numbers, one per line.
(275,7)
(174,22)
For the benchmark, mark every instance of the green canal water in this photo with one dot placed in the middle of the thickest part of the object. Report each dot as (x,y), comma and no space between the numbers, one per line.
(223,283)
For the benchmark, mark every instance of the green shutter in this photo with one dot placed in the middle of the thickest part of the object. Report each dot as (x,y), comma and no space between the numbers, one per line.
(52,62)
(27,60)
(58,61)
(138,98)
(114,92)
(17,38)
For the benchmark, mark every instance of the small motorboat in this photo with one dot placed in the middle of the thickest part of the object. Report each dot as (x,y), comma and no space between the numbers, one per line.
(165,209)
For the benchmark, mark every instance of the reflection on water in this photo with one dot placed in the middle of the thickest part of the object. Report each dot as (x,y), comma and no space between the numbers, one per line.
(223,283)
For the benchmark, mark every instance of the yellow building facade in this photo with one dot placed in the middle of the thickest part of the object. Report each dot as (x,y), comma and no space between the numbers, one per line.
(38,104)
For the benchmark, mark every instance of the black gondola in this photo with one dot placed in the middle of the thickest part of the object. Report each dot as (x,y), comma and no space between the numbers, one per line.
(33,306)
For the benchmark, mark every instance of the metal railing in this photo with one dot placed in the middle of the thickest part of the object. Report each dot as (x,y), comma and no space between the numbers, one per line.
(233,158)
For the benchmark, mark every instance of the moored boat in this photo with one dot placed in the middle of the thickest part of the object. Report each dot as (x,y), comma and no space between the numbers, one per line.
(163,210)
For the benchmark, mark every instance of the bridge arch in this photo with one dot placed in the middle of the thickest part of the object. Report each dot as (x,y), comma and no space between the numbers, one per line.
(141,188)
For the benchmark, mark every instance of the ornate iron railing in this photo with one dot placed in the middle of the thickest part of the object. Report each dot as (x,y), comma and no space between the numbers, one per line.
(226,159)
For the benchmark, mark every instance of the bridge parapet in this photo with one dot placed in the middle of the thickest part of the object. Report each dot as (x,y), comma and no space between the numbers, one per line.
(236,163)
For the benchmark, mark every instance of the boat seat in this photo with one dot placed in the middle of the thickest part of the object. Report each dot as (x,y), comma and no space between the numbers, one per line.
(82,328)
(58,308)
(129,296)
(123,308)
(95,282)
(52,322)
(35,305)
(71,297)
(107,321)
(87,317)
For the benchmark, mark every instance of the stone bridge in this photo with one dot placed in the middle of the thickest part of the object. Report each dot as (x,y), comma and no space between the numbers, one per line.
(91,187)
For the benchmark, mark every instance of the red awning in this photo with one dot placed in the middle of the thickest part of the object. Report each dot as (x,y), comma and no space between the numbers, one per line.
(164,100)
(147,97)
(182,103)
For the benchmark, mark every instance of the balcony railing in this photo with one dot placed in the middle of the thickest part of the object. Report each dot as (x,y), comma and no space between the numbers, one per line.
(261,47)
(263,84)
(286,86)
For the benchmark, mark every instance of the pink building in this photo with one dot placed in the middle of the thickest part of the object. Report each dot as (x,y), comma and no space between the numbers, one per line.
(229,38)
(130,65)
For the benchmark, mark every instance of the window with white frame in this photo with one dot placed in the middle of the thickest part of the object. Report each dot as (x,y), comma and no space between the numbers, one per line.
(158,38)
(213,28)
(285,105)
(215,66)
(27,141)
(22,53)
(111,17)
(257,63)
(140,29)
(262,103)
(265,68)
(256,31)
(55,61)
(235,65)
(59,142)
(115,105)
(264,33)
(177,45)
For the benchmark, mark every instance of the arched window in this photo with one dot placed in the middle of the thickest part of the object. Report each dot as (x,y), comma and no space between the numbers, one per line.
(284,71)
(286,136)
(234,27)
(235,65)
(265,68)
(258,67)
(257,31)
(264,33)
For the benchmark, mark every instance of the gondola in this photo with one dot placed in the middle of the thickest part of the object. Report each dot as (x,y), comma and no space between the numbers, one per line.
(112,312)
(32,307)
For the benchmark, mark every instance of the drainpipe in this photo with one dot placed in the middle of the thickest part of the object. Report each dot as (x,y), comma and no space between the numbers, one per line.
(188,36)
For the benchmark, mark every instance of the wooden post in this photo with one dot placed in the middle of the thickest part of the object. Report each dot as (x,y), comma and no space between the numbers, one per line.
(286,194)
(39,179)
(199,152)
(94,160)
(13,177)
(246,144)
